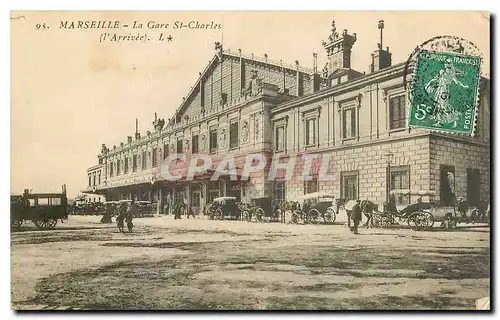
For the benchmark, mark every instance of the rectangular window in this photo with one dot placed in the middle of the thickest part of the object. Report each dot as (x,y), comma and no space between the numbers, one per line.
(118,167)
(93,179)
(125,166)
(349,185)
(279,192)
(310,132)
(349,123)
(213,140)
(194,144)
(234,135)
(43,201)
(311,186)
(134,163)
(279,144)
(99,179)
(154,157)
(400,179)
(179,145)
(111,167)
(90,181)
(144,160)
(397,112)
(165,151)
(447,185)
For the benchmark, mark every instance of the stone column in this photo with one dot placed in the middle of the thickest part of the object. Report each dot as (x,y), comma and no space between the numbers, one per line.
(204,196)
(159,207)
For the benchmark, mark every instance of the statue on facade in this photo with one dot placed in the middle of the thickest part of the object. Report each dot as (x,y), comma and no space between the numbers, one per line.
(244,132)
(172,150)
(257,129)
(186,143)
(218,49)
(104,149)
(203,143)
(254,86)
(222,138)
(325,71)
(334,34)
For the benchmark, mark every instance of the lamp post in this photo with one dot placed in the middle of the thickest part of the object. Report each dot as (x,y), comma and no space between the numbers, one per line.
(389,156)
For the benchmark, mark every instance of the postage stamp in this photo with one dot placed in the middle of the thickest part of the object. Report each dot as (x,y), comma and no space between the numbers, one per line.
(444,92)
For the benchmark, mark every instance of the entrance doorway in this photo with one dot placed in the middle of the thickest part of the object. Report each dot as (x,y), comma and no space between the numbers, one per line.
(447,186)
(473,187)
(195,200)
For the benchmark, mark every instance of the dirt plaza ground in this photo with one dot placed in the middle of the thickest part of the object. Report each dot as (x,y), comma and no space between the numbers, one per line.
(228,265)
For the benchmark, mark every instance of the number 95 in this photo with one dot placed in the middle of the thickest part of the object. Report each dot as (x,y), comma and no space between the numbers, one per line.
(42,26)
(422,111)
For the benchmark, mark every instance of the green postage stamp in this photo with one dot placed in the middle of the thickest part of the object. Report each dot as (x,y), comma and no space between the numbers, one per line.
(444,92)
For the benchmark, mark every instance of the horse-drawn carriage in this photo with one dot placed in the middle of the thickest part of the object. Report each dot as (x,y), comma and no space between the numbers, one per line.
(145,209)
(88,208)
(418,215)
(263,209)
(223,208)
(43,209)
(314,207)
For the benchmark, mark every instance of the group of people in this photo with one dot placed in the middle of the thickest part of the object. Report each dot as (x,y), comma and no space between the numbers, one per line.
(125,213)
(177,206)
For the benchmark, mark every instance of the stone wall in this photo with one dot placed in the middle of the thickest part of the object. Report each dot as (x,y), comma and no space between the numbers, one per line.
(461,154)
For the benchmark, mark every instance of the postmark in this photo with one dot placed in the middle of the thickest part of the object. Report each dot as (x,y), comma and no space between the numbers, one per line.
(443,89)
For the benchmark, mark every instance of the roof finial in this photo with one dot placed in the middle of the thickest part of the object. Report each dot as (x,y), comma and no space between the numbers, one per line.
(381,27)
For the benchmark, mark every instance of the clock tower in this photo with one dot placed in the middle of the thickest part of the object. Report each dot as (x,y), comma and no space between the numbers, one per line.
(338,48)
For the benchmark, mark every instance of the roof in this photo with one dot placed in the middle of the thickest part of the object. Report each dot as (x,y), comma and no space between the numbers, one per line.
(238,54)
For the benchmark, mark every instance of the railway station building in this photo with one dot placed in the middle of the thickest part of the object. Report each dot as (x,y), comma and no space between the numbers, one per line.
(243,104)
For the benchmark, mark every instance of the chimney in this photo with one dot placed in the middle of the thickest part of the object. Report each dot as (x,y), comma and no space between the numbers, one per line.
(381,58)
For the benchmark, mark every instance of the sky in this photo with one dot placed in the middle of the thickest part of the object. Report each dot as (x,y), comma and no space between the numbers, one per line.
(70,93)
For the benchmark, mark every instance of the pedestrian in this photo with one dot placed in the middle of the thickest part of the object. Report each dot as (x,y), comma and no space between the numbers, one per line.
(462,209)
(121,217)
(356,216)
(168,202)
(132,208)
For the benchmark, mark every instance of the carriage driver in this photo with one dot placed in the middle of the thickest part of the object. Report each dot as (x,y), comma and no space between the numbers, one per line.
(356,216)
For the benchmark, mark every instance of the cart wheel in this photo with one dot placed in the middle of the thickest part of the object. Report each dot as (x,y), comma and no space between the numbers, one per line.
(259,214)
(219,214)
(418,221)
(313,216)
(429,219)
(14,223)
(377,221)
(294,218)
(329,216)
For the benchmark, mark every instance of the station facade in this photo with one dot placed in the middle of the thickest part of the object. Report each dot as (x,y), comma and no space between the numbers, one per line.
(244,105)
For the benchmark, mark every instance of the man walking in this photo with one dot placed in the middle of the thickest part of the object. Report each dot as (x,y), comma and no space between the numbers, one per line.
(356,217)
(122,211)
(132,208)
